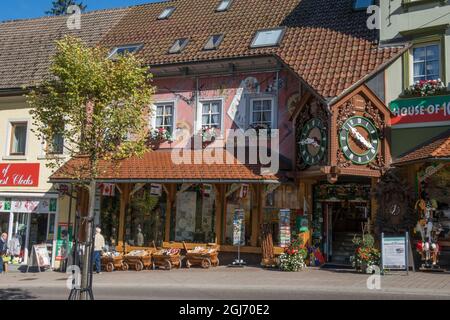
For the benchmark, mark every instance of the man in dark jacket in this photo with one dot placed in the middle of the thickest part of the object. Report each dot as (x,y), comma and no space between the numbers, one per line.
(3,249)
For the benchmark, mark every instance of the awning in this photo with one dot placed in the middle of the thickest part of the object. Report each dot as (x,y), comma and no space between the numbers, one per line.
(436,149)
(159,167)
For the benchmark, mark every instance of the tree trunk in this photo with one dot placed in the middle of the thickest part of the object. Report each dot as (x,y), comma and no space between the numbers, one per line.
(85,278)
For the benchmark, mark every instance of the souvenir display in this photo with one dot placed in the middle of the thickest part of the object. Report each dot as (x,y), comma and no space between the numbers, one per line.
(204,257)
(167,259)
(138,259)
(113,261)
(429,229)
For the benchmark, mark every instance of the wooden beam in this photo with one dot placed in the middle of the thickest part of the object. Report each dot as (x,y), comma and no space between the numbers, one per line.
(171,195)
(220,200)
(124,200)
(256,195)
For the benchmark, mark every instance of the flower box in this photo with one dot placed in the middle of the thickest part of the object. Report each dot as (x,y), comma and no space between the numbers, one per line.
(426,88)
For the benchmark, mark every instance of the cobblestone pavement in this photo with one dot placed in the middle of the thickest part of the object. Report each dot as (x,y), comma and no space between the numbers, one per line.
(225,283)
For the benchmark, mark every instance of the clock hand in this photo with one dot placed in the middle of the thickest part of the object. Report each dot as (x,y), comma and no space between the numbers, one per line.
(360,138)
(309,141)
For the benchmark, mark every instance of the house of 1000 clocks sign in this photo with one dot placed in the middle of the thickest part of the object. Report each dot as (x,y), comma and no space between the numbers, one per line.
(422,111)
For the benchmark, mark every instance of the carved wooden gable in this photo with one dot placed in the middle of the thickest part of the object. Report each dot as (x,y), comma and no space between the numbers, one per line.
(359,135)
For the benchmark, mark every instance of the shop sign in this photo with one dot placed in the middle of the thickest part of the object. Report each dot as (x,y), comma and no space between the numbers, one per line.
(239,227)
(41,206)
(395,252)
(5,205)
(19,175)
(421,112)
(285,228)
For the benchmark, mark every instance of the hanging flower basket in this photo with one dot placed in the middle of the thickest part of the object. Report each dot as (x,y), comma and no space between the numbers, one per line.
(158,137)
(208,135)
(426,88)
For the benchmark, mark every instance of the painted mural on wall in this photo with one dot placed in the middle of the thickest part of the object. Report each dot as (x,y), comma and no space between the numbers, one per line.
(235,93)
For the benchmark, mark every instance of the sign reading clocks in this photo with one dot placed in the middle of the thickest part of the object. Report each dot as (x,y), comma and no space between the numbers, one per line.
(313,141)
(359,140)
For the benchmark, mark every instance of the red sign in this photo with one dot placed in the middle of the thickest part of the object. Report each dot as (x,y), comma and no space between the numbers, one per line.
(19,175)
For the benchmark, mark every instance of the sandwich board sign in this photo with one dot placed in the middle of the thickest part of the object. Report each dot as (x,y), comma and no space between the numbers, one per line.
(396,253)
(39,257)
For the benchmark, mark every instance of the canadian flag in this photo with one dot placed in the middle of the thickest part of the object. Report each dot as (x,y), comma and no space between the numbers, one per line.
(108,190)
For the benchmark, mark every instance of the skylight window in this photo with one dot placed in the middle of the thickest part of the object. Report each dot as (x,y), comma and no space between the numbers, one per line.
(123,50)
(362,4)
(166,13)
(268,38)
(214,42)
(224,5)
(179,45)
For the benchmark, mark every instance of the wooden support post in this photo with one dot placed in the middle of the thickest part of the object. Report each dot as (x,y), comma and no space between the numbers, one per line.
(171,196)
(124,200)
(256,194)
(373,206)
(220,201)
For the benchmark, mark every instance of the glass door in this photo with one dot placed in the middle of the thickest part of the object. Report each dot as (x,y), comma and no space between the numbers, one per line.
(4,222)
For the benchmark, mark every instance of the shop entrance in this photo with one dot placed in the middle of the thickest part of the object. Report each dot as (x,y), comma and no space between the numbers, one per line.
(344,211)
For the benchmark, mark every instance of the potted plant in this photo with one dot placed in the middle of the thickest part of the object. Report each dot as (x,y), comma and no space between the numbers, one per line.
(425,88)
(159,136)
(366,255)
(293,258)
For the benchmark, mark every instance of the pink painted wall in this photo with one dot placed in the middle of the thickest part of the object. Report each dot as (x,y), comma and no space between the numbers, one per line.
(181,91)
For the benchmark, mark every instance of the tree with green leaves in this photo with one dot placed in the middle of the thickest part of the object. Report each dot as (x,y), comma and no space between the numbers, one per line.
(99,107)
(59,7)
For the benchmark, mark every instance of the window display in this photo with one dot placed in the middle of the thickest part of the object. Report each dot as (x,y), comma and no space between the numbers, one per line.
(195,214)
(146,219)
(110,212)
(283,198)
(239,197)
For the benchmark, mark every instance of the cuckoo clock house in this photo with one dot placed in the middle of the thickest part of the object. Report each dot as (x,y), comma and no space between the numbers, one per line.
(315,84)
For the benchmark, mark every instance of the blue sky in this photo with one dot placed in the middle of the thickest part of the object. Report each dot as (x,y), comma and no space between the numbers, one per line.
(22,9)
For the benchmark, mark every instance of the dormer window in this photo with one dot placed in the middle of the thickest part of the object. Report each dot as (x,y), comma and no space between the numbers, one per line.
(214,42)
(179,45)
(362,4)
(224,5)
(166,13)
(268,38)
(123,50)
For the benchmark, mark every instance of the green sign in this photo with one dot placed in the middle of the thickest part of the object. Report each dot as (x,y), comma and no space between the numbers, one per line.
(421,111)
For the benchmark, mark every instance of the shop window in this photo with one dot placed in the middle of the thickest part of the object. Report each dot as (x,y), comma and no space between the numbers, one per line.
(18,138)
(195,214)
(212,114)
(109,223)
(239,198)
(145,225)
(262,113)
(426,62)
(282,198)
(164,116)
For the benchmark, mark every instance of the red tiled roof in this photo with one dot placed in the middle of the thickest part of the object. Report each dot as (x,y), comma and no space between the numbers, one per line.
(437,148)
(158,166)
(326,42)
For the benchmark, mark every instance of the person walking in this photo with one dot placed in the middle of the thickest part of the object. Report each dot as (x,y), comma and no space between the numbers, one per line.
(99,244)
(3,249)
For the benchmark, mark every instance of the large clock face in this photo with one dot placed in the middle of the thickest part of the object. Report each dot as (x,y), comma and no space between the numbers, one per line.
(313,142)
(359,140)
